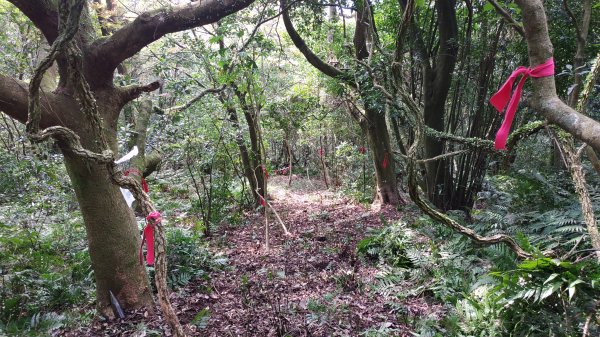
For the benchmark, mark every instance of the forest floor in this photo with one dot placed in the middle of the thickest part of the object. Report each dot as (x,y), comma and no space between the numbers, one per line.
(308,283)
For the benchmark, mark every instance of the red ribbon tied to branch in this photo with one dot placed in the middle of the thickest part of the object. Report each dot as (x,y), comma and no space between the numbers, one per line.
(503,96)
(144,183)
(148,237)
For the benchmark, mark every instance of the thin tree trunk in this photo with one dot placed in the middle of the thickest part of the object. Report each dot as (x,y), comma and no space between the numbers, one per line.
(322,160)
(246,162)
(290,161)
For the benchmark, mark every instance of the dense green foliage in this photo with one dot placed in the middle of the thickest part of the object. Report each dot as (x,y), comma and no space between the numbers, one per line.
(486,291)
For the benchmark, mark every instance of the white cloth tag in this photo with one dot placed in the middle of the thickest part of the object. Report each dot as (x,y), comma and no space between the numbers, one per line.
(128,156)
(129,199)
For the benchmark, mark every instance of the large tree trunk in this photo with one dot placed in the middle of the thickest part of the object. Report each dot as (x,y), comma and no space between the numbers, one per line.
(111,227)
(112,234)
(383,160)
(112,230)
(433,113)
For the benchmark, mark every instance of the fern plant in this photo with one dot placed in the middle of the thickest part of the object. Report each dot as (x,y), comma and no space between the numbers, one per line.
(189,258)
(388,245)
(546,295)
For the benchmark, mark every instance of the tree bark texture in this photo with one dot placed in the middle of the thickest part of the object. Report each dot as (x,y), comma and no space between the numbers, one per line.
(113,236)
(111,227)
(545,100)
(383,160)
(437,80)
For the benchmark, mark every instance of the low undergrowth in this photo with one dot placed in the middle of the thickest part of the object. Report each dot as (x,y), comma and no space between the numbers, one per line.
(46,278)
(487,291)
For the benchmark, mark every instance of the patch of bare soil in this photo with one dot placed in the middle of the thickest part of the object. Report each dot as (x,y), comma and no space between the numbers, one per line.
(309,283)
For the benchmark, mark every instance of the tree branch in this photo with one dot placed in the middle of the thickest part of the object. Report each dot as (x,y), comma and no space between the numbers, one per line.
(14,101)
(190,102)
(13,98)
(151,26)
(311,57)
(488,145)
(195,99)
(43,15)
(509,19)
(131,92)
(545,99)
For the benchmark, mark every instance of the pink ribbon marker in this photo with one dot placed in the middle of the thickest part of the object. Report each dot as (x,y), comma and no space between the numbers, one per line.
(264,169)
(500,98)
(148,237)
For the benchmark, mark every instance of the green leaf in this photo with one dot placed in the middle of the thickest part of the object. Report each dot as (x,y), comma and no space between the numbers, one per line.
(550,278)
(572,288)
(201,319)
(549,290)
(215,39)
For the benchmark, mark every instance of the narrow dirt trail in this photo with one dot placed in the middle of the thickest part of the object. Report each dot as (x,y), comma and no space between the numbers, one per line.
(308,284)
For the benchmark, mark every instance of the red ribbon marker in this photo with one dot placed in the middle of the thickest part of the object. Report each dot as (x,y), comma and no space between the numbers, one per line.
(385,160)
(262,200)
(321,152)
(362,150)
(148,237)
(144,183)
(264,169)
(500,98)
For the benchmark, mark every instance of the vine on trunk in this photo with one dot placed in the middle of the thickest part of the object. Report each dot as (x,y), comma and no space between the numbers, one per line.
(70,13)
(413,187)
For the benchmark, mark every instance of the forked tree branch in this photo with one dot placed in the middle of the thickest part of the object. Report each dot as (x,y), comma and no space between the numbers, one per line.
(151,26)
(310,56)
